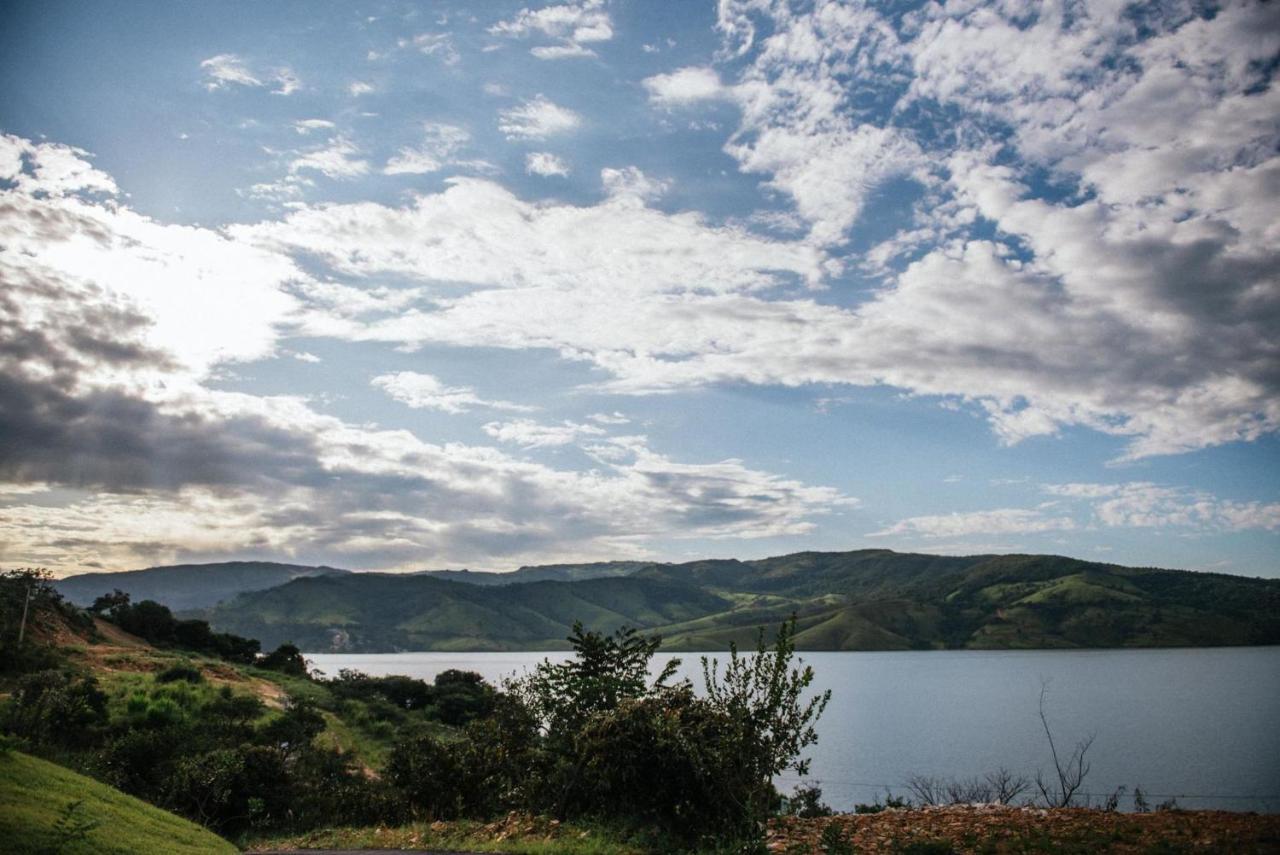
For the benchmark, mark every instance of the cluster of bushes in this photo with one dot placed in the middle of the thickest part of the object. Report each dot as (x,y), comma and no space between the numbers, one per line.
(455,698)
(204,752)
(155,624)
(28,601)
(595,738)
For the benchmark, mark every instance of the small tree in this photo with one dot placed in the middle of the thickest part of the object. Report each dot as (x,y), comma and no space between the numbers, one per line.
(604,670)
(764,697)
(1070,772)
(108,603)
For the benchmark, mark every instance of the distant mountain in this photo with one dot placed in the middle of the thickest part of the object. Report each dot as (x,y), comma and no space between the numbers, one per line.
(861,600)
(187,586)
(374,612)
(543,573)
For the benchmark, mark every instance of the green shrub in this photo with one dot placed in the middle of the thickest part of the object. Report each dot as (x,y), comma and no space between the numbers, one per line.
(56,708)
(181,672)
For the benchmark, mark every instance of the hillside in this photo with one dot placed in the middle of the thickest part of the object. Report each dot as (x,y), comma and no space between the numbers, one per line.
(861,600)
(35,793)
(542,573)
(373,612)
(186,586)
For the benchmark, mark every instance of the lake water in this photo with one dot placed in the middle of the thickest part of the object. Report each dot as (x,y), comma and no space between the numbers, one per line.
(1201,725)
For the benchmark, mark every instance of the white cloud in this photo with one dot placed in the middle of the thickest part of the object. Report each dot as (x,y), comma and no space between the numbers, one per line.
(799,124)
(55,170)
(1142,504)
(685,86)
(437,45)
(424,391)
(1083,506)
(208,299)
(614,418)
(537,119)
(572,25)
(630,182)
(358,87)
(999,521)
(440,143)
(306,126)
(228,69)
(544,163)
(337,159)
(528,433)
(115,323)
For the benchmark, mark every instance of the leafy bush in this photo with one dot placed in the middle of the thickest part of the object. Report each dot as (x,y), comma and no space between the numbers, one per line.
(287,659)
(56,708)
(806,803)
(593,737)
(181,672)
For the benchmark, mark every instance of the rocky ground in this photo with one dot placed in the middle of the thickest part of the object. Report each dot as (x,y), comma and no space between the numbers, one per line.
(1001,829)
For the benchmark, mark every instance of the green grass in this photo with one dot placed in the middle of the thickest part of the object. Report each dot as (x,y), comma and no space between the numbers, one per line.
(521,836)
(34,793)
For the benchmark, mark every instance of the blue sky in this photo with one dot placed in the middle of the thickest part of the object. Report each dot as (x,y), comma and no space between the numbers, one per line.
(407,286)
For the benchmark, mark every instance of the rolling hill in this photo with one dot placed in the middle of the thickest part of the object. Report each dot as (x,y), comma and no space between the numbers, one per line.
(861,600)
(34,793)
(186,586)
(373,612)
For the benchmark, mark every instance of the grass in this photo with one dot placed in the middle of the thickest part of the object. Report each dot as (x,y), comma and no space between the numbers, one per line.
(35,794)
(517,835)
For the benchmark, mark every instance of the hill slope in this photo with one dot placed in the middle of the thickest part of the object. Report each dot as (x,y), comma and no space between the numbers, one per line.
(862,600)
(383,612)
(186,586)
(33,793)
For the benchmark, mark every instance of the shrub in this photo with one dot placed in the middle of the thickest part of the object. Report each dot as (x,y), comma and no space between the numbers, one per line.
(287,659)
(461,696)
(433,775)
(55,708)
(763,697)
(806,803)
(181,672)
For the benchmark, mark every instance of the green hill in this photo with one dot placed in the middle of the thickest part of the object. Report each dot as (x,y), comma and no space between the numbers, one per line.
(186,586)
(34,795)
(385,612)
(862,600)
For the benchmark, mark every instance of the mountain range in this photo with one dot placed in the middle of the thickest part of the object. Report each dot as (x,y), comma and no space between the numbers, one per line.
(861,600)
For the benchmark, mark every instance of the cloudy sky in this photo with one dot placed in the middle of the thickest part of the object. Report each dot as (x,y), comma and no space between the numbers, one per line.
(419,285)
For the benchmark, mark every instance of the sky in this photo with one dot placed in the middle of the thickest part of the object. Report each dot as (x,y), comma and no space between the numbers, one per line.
(405,286)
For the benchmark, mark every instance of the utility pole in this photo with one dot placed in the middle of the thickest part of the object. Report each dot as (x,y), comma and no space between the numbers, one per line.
(22,628)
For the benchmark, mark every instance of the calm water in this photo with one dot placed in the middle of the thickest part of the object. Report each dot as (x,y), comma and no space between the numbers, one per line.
(1199,724)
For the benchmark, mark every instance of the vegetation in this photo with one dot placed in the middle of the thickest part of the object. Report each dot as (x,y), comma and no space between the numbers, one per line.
(186,586)
(595,755)
(864,600)
(154,623)
(51,809)
(592,740)
(595,739)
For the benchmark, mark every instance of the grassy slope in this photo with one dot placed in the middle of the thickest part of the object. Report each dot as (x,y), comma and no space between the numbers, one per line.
(33,792)
(125,665)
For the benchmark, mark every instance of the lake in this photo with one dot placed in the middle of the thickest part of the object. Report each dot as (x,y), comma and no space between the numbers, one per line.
(1199,725)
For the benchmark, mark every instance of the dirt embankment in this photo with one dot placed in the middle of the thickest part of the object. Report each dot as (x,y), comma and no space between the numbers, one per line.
(1001,829)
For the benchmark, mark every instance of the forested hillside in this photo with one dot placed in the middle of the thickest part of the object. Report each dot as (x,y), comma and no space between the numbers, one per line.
(862,600)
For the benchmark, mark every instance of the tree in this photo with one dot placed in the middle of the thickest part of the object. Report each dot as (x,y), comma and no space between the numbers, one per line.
(108,603)
(773,720)
(287,659)
(1070,772)
(603,671)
